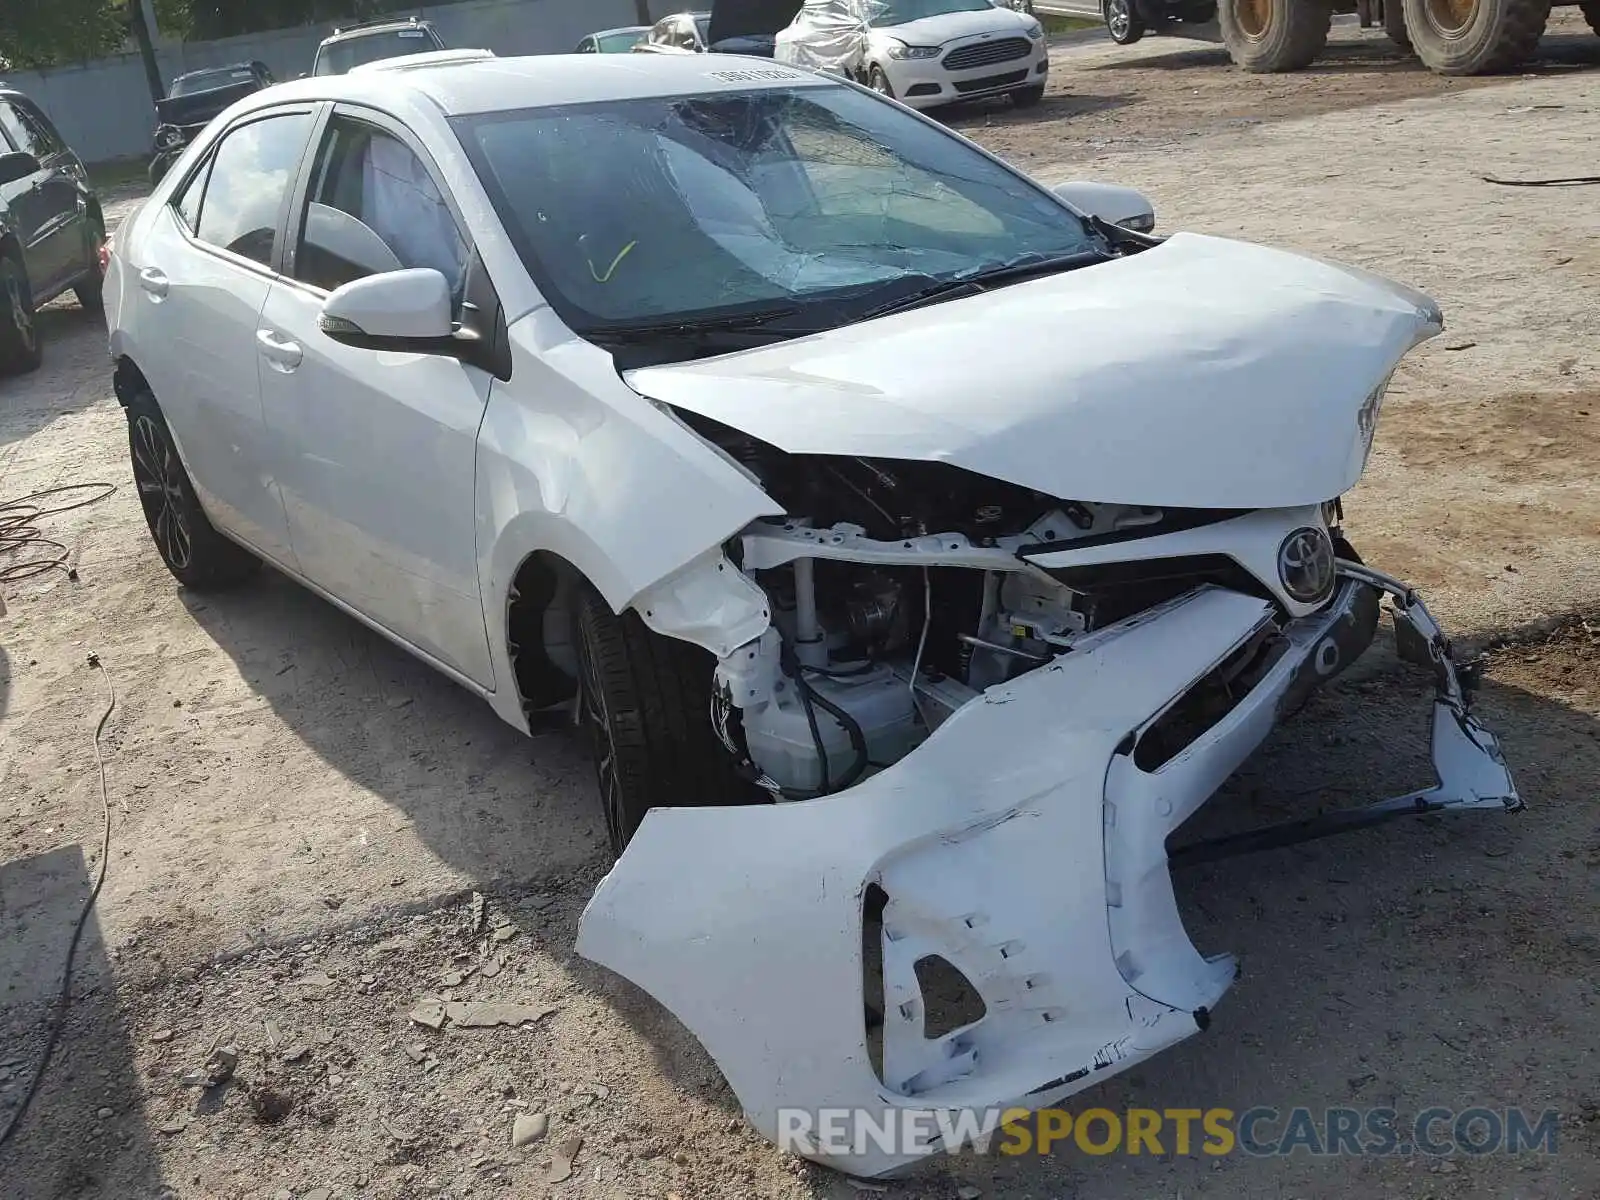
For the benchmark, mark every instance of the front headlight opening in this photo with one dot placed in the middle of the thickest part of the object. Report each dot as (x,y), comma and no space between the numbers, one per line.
(1367,415)
(901,50)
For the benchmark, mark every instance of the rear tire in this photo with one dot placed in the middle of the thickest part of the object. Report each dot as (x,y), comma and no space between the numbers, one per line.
(646,704)
(21,349)
(1123,22)
(1273,36)
(1475,37)
(1027,97)
(198,556)
(1591,13)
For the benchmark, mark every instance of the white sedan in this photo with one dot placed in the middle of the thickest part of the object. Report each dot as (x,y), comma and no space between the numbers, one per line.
(910,602)
(924,53)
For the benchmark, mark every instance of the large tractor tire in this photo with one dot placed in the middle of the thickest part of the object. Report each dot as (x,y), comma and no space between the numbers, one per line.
(1269,36)
(1475,37)
(1394,24)
(1591,13)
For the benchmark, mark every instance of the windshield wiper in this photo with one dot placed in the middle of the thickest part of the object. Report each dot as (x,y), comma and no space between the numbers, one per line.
(975,282)
(704,327)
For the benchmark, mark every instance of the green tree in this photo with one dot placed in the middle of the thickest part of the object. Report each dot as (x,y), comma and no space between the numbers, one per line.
(174,18)
(44,33)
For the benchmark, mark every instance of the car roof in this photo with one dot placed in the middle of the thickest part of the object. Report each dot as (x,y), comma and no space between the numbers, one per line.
(464,86)
(600,33)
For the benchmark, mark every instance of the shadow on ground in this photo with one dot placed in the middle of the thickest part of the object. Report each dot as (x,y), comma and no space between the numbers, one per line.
(85,1133)
(34,400)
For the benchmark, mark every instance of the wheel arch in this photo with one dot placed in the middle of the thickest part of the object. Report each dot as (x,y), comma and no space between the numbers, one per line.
(708,602)
(535,630)
(127,380)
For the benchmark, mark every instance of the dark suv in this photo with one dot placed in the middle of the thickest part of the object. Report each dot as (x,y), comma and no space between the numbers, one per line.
(371,41)
(52,232)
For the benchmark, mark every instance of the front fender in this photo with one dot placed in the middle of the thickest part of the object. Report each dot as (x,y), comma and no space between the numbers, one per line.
(574,463)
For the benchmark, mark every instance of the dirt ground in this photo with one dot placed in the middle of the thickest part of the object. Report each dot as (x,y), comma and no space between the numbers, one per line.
(301,816)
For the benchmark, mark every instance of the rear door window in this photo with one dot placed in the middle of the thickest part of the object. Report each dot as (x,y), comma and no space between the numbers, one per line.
(251,175)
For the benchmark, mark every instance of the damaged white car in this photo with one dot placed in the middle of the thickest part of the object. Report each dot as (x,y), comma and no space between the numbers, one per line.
(922,546)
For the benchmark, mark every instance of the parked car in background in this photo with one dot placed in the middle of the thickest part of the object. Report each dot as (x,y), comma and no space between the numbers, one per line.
(192,100)
(52,230)
(911,602)
(681,33)
(369,41)
(730,27)
(613,41)
(923,53)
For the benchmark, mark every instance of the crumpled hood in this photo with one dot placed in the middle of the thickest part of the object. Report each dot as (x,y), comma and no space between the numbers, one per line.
(1202,373)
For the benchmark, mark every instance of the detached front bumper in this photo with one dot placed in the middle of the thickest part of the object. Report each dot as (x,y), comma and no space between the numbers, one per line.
(1022,844)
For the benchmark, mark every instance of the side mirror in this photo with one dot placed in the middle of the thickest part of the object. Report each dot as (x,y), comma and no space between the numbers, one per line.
(19,164)
(1115,205)
(398,310)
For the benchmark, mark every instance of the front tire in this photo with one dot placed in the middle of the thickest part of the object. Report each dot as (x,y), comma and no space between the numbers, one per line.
(198,556)
(1273,36)
(645,701)
(1591,13)
(1123,22)
(1027,97)
(1475,37)
(879,82)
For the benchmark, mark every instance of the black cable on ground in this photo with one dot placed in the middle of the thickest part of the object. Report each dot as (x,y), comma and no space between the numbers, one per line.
(1574,181)
(19,528)
(64,998)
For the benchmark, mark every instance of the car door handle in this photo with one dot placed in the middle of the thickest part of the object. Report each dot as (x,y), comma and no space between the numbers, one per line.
(154,281)
(282,353)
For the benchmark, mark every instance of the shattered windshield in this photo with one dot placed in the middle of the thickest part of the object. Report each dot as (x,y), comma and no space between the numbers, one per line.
(900,12)
(685,208)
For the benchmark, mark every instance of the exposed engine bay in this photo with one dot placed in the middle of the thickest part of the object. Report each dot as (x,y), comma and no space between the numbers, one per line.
(997,654)
(872,657)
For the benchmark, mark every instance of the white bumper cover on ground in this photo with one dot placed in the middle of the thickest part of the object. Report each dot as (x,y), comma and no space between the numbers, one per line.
(1020,843)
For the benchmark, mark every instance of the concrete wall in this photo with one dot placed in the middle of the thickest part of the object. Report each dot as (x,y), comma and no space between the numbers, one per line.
(103,108)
